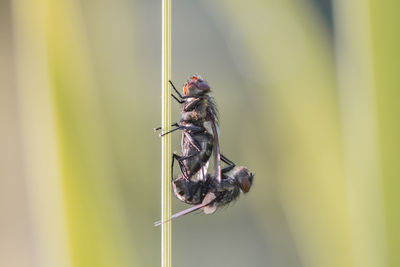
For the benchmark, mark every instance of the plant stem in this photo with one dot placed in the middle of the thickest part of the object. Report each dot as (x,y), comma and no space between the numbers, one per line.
(166,140)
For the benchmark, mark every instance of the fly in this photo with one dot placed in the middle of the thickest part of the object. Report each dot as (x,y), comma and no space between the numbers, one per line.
(208,194)
(200,132)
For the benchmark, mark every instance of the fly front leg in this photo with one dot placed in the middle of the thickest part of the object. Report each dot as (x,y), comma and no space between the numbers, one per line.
(182,98)
(227,169)
(179,94)
(178,100)
(227,161)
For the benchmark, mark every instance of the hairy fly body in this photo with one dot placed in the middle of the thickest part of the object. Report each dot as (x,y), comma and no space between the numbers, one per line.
(200,139)
(234,179)
(208,194)
(200,132)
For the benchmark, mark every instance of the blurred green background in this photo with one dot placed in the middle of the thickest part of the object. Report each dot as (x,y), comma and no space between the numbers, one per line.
(308,94)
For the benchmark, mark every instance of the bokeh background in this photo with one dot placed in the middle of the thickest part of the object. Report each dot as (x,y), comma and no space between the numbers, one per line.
(308,93)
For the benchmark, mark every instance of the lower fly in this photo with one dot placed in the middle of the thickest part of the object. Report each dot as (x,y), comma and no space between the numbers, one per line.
(208,194)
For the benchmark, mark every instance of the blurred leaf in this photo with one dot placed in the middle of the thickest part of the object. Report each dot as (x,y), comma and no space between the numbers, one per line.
(294,61)
(360,133)
(385,23)
(97,223)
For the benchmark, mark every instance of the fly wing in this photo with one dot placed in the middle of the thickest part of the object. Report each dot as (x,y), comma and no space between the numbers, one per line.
(202,174)
(210,198)
(217,154)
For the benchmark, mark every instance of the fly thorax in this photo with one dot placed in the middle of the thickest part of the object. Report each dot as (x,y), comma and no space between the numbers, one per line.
(190,99)
(230,174)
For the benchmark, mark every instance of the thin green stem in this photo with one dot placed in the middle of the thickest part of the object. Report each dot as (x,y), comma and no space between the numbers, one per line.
(166,140)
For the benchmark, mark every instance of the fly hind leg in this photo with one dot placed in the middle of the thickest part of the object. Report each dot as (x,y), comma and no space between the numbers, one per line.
(192,141)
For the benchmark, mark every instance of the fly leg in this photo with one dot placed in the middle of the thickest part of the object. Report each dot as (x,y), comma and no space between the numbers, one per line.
(181,166)
(179,101)
(227,169)
(172,125)
(193,142)
(173,130)
(173,86)
(174,156)
(180,160)
(185,128)
(227,161)
(182,98)
(194,129)
(191,128)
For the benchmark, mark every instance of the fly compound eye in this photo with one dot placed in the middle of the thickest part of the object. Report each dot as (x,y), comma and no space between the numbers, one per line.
(244,178)
(202,85)
(245,184)
(185,88)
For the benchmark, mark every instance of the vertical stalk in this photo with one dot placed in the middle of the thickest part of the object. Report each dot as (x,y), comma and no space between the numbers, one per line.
(166,140)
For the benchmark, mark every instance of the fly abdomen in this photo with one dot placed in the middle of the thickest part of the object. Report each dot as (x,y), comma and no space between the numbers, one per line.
(190,192)
(195,159)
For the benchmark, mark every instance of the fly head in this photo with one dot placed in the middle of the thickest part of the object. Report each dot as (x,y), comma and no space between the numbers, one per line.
(195,86)
(244,178)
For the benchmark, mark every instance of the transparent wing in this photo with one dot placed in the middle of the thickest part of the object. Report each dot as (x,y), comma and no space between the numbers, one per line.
(217,153)
(209,199)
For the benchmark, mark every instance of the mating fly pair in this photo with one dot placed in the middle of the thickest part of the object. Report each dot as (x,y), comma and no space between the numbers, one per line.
(200,138)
